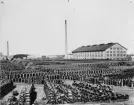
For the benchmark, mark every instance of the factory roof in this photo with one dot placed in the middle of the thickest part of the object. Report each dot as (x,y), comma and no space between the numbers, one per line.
(94,48)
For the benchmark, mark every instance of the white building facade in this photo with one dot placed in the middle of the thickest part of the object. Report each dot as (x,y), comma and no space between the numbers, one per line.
(109,51)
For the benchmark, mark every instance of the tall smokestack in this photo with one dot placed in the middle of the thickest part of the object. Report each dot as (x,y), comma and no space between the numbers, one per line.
(7,49)
(66,49)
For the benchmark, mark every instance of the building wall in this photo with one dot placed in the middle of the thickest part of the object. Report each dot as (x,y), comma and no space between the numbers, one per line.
(89,55)
(115,52)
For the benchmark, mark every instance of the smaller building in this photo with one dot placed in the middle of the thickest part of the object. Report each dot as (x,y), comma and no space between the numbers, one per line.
(69,56)
(132,57)
(55,56)
(44,57)
(2,57)
(20,56)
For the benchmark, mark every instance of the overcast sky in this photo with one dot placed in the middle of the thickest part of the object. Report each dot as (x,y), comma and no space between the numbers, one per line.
(37,26)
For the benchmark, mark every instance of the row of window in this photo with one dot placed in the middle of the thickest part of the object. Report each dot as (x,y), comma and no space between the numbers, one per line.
(116,48)
(89,55)
(116,51)
(121,55)
(108,55)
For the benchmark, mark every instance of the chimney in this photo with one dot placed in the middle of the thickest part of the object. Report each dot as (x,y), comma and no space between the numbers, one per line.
(66,47)
(7,50)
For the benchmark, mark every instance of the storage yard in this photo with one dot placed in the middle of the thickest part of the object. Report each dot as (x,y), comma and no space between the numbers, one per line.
(68,82)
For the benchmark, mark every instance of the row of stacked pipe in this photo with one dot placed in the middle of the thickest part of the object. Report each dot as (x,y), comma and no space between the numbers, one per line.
(27,96)
(8,65)
(98,93)
(70,71)
(80,92)
(57,93)
(5,87)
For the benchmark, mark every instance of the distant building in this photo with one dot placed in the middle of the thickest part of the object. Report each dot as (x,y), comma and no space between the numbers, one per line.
(2,57)
(102,51)
(31,57)
(34,57)
(20,56)
(131,57)
(69,56)
(55,56)
(44,57)
(51,56)
(60,56)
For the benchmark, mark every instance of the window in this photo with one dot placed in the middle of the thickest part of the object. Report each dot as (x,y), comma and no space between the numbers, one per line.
(114,48)
(114,54)
(107,51)
(117,54)
(87,53)
(113,51)
(110,51)
(111,55)
(111,48)
(117,48)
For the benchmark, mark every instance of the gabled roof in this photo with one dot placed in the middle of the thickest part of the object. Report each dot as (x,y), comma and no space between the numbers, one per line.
(94,48)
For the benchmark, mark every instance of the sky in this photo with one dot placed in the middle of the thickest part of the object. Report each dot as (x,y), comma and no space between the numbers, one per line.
(37,27)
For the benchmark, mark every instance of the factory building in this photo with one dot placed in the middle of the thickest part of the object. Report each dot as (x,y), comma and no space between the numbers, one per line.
(113,51)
